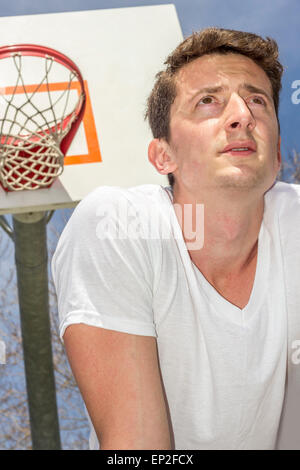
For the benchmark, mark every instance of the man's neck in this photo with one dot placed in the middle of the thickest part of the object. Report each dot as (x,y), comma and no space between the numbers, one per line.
(231,229)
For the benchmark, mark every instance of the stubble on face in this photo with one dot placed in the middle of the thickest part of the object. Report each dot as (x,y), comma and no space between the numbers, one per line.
(241,178)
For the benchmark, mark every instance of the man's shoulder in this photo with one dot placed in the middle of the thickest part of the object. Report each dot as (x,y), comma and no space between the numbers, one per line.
(283,196)
(142,194)
(114,206)
(281,187)
(111,199)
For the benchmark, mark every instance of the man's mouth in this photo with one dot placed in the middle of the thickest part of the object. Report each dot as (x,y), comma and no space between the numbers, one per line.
(240,148)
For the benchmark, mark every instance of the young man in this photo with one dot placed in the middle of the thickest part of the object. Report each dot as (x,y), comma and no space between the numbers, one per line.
(178,324)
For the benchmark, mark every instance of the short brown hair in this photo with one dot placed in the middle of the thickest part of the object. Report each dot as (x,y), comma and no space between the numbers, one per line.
(264,52)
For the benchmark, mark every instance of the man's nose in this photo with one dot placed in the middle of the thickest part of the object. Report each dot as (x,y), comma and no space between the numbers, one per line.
(239,116)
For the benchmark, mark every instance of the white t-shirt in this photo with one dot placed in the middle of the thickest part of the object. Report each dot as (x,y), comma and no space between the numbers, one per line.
(121,263)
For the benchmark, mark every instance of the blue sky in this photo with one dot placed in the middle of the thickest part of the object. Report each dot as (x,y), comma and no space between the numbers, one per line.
(279,19)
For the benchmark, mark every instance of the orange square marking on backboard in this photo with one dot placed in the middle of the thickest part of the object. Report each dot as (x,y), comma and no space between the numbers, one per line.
(94,154)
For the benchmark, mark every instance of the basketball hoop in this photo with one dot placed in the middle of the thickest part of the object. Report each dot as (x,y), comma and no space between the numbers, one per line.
(40,112)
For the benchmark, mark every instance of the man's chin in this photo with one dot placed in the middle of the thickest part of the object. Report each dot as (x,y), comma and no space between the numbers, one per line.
(247,182)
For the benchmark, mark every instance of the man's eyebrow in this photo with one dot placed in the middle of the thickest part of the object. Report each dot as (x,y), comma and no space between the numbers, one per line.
(210,89)
(255,89)
(245,86)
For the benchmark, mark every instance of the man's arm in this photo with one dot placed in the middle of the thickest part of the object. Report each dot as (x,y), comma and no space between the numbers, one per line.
(119,379)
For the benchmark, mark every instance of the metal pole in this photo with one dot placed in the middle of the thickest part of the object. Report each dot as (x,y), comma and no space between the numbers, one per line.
(31,262)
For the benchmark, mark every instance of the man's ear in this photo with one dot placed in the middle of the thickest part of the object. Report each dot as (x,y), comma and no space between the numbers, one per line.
(159,154)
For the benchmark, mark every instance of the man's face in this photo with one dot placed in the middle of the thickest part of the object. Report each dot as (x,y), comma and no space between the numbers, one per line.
(223,126)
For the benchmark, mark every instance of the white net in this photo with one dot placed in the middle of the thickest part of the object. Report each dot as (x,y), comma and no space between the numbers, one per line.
(38,103)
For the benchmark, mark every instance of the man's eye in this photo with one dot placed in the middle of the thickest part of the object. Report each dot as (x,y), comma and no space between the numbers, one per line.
(258,100)
(206,100)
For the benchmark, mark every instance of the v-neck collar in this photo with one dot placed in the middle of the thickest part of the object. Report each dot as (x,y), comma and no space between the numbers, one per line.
(216,300)
(222,305)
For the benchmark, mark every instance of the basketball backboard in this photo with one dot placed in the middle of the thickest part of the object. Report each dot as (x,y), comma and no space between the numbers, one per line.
(118,51)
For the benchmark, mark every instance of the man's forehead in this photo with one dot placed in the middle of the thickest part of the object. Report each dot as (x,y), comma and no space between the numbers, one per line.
(213,70)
